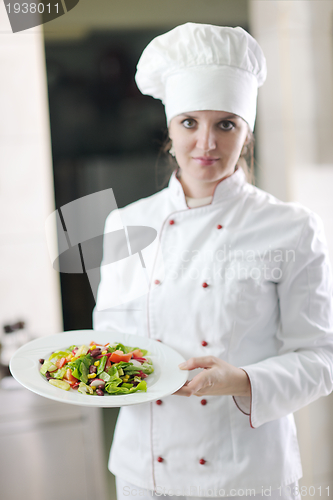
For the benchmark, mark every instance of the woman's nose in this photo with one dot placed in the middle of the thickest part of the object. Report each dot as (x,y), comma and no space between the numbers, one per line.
(206,139)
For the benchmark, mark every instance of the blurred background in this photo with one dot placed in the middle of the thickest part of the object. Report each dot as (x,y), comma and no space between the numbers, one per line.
(72,122)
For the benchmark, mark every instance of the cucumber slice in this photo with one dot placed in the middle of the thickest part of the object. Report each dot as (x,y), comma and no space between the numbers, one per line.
(61,384)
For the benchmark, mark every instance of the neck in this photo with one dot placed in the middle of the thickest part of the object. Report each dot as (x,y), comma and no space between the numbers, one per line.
(194,188)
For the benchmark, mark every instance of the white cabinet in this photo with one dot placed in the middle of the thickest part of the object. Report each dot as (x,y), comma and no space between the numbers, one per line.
(49,450)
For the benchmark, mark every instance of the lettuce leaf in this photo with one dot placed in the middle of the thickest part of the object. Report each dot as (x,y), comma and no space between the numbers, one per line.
(80,367)
(85,389)
(112,389)
(84,373)
(59,374)
(104,376)
(46,366)
(147,367)
(127,367)
(125,348)
(113,371)
(111,386)
(59,354)
(102,363)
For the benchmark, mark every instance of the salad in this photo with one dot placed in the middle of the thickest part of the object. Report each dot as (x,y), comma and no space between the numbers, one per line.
(98,369)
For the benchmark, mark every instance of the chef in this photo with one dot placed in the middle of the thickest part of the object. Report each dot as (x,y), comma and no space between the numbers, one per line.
(239,284)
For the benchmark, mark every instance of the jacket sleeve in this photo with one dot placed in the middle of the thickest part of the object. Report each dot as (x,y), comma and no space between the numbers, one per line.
(303,369)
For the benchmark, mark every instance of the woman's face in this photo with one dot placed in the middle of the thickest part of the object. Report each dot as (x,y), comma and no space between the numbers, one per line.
(207,145)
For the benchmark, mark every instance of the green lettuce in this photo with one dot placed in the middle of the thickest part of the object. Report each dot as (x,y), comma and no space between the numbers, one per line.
(104,376)
(113,389)
(147,367)
(59,354)
(59,374)
(102,363)
(125,348)
(85,389)
(80,367)
(47,366)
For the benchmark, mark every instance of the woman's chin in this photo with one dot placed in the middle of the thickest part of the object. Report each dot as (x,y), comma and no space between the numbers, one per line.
(209,175)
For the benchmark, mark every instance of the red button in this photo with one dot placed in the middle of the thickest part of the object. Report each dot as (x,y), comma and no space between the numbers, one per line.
(171,222)
(203,402)
(157,282)
(219,226)
(159,402)
(202,461)
(158,340)
(204,343)
(204,285)
(159,459)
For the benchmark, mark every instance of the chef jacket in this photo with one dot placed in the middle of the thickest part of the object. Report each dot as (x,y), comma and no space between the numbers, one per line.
(246,279)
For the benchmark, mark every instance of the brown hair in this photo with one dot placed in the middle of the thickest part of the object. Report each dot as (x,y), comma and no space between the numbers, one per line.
(246,159)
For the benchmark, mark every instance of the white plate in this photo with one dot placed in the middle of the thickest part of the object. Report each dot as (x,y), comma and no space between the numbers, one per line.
(166,379)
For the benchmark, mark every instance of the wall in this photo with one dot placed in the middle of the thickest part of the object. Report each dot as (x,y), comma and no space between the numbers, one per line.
(295,156)
(126,14)
(29,287)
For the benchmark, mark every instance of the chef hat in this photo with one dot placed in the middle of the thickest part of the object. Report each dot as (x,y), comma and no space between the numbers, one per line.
(197,67)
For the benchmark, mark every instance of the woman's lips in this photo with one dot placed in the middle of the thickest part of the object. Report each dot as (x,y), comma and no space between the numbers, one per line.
(205,160)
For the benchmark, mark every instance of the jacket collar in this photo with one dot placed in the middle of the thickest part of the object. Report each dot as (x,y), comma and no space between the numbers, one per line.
(226,189)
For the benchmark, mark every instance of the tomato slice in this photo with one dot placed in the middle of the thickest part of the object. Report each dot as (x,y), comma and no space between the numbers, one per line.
(70,377)
(108,364)
(61,362)
(137,353)
(117,356)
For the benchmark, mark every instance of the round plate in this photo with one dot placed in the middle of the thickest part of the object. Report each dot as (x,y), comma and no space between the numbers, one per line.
(166,379)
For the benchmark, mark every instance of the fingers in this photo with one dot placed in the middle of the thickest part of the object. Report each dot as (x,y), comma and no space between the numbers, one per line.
(186,391)
(193,387)
(199,382)
(190,387)
(218,378)
(201,362)
(183,391)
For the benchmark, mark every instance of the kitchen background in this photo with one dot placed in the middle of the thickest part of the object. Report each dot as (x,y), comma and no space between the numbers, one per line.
(72,122)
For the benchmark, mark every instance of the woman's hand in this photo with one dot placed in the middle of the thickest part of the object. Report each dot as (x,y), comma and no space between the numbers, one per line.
(218,378)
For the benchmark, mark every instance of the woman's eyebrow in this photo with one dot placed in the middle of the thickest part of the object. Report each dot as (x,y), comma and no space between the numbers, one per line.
(233,117)
(193,115)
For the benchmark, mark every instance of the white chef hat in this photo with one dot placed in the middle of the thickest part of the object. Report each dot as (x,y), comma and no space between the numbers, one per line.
(197,67)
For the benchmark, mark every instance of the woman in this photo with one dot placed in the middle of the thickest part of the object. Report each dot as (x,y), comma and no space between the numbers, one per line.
(245,294)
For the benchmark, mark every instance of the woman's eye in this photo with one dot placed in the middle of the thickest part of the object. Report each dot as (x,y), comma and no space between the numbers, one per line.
(226,125)
(188,123)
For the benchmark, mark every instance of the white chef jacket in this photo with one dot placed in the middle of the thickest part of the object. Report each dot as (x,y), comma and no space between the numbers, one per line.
(247,279)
